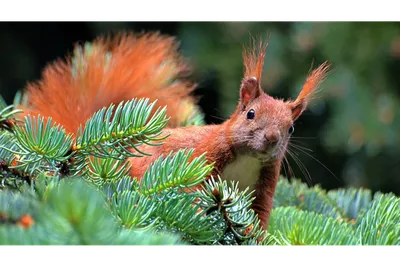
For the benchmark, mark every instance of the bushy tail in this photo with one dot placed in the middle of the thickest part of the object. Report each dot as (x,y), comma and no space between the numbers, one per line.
(111,70)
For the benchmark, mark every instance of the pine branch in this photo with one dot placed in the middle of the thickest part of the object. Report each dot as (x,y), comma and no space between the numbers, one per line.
(120,186)
(132,209)
(175,171)
(8,146)
(163,201)
(288,193)
(147,238)
(267,240)
(14,206)
(317,201)
(163,198)
(298,194)
(122,129)
(379,224)
(10,177)
(72,213)
(241,224)
(105,170)
(106,206)
(7,113)
(351,200)
(183,216)
(41,145)
(297,227)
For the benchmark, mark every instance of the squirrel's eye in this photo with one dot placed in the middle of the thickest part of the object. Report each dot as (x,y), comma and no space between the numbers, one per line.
(250,114)
(291,129)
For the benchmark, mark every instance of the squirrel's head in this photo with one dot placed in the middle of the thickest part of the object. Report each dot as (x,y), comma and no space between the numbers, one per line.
(262,125)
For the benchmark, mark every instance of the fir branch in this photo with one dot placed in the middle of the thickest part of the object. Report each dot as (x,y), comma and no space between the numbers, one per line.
(44,183)
(147,238)
(14,206)
(7,147)
(72,213)
(7,114)
(379,224)
(132,209)
(122,129)
(109,207)
(242,225)
(317,201)
(104,170)
(12,181)
(288,193)
(352,201)
(87,219)
(175,171)
(266,239)
(297,227)
(10,177)
(298,194)
(120,186)
(183,216)
(79,209)
(41,145)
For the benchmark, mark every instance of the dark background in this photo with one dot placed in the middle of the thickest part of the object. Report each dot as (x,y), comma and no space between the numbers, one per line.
(352,128)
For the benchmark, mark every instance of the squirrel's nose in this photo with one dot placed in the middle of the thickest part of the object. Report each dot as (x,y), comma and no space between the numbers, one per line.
(271,138)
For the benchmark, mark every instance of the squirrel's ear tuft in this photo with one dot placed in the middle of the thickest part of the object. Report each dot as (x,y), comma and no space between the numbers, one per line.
(309,88)
(253,58)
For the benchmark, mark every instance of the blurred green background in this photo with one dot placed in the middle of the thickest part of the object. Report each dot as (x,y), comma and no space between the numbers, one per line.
(352,128)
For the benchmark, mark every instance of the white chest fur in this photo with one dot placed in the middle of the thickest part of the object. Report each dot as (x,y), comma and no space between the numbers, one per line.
(245,170)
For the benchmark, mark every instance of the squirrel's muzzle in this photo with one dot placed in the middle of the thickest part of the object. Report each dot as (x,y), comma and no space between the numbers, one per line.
(271,138)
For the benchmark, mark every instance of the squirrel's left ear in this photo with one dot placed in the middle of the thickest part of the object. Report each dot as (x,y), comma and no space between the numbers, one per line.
(309,88)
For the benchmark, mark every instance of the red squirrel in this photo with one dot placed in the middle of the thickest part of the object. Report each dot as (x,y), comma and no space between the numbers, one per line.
(248,147)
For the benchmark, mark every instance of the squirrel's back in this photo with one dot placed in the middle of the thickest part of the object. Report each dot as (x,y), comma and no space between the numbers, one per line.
(111,70)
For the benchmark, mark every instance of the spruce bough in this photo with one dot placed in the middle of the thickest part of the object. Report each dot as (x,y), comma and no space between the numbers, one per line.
(56,190)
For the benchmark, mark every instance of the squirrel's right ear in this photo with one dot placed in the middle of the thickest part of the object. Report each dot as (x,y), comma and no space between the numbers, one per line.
(253,58)
(249,90)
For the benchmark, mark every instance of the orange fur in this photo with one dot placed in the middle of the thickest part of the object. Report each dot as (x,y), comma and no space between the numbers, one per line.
(309,88)
(254,60)
(146,65)
(253,64)
(149,66)
(227,143)
(313,81)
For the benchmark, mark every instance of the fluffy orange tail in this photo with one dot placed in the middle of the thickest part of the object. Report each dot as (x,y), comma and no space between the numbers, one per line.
(111,70)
